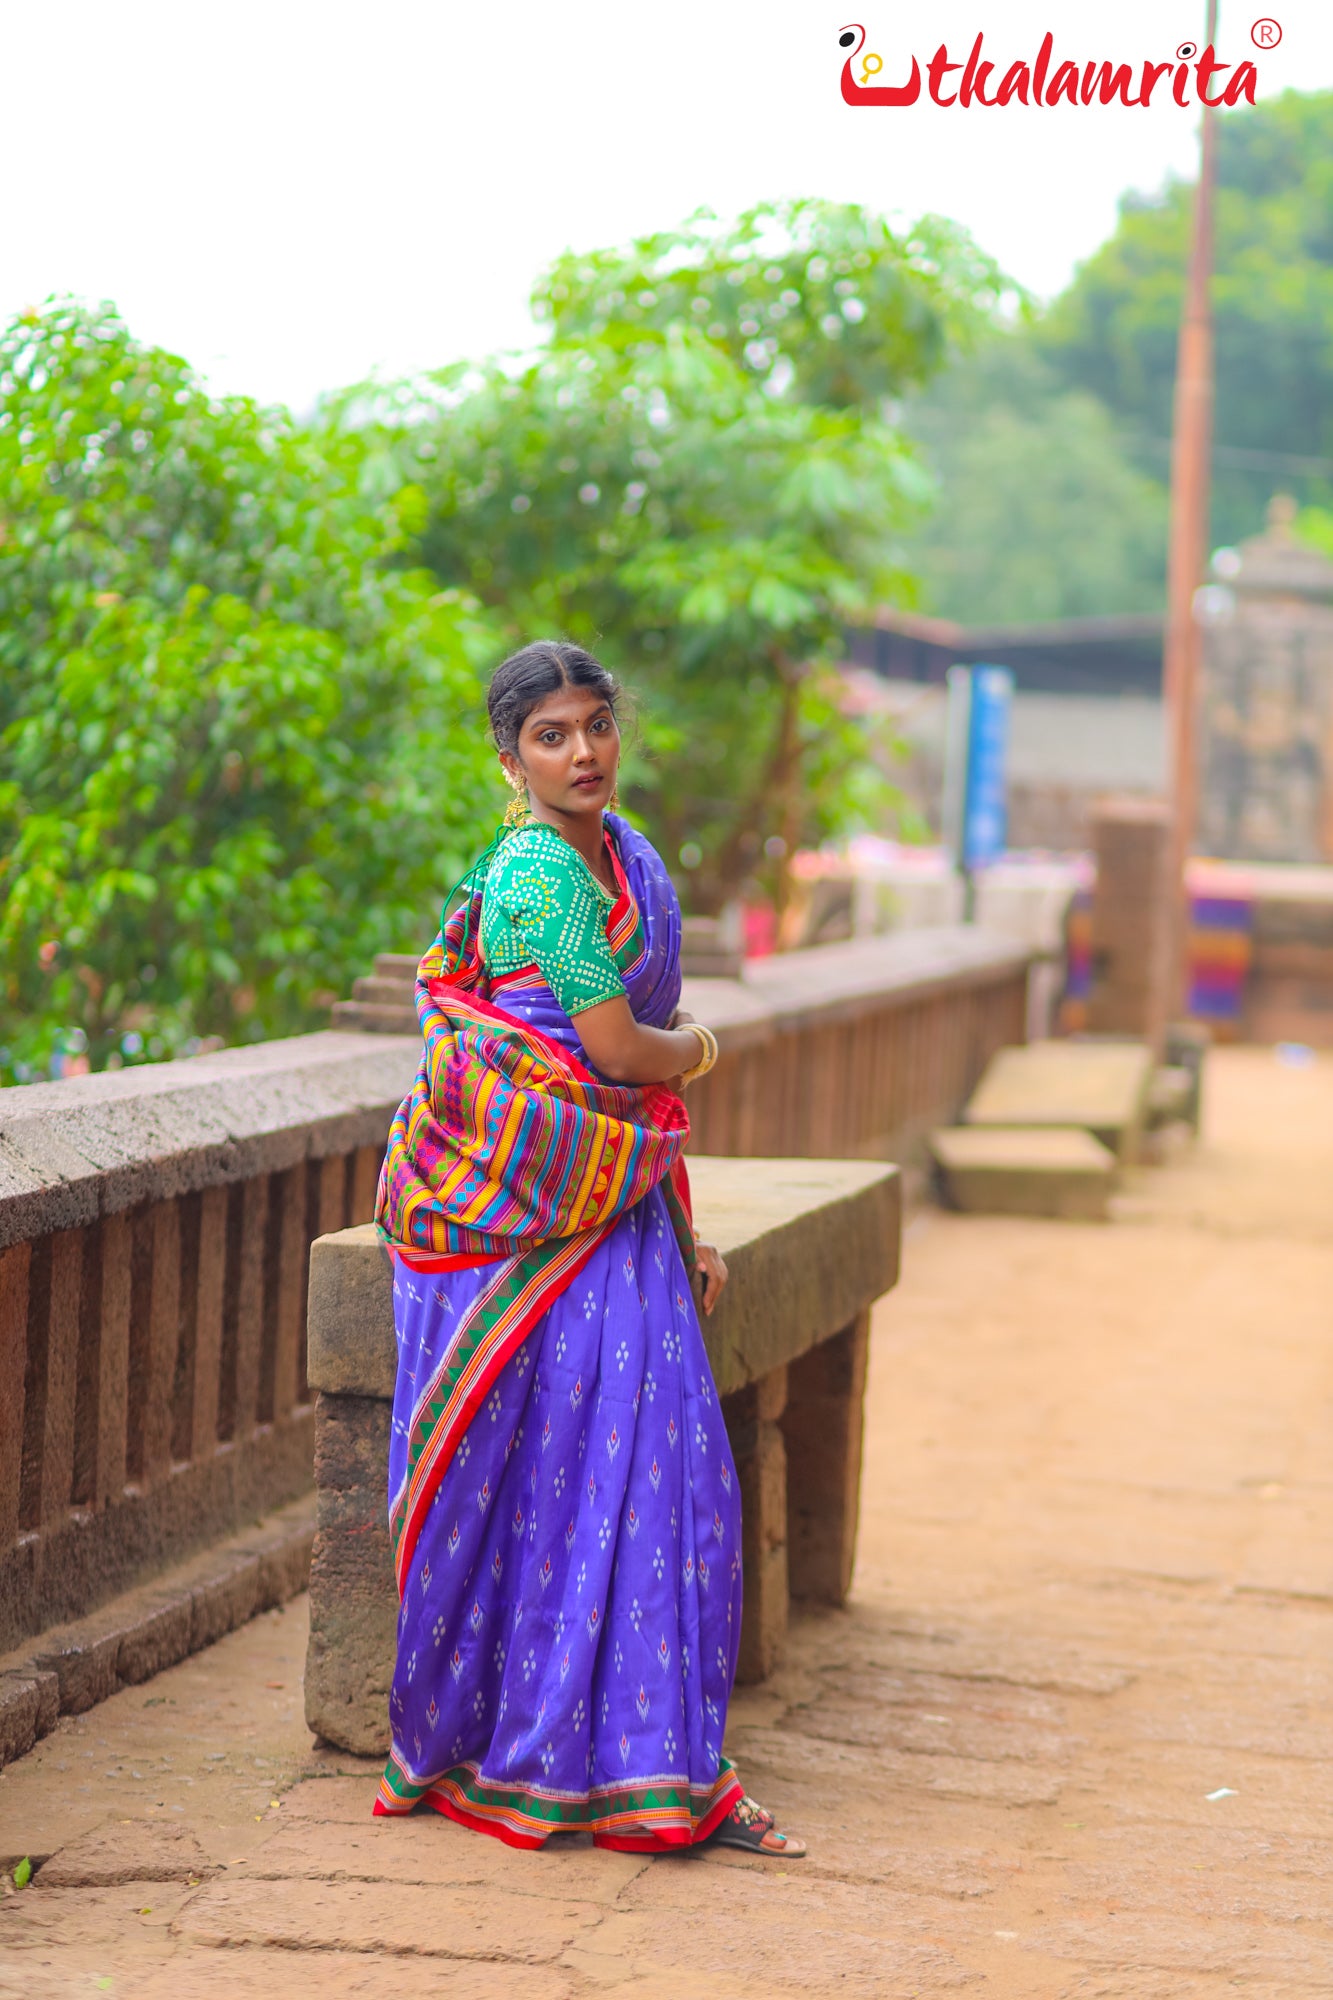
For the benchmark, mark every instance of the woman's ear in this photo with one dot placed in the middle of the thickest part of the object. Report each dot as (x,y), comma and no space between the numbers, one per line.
(512,769)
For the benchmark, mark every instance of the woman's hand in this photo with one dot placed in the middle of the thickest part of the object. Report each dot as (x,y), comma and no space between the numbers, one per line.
(712,1270)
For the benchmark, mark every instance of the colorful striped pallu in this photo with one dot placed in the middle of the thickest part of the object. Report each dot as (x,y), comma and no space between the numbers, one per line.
(563,1502)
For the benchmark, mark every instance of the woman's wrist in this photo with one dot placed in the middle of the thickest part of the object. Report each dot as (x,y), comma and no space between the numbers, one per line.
(706,1043)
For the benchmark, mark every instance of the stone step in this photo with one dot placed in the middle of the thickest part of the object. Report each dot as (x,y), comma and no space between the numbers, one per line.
(357,1017)
(1058,1171)
(1100,1086)
(70,1668)
(380,992)
(399,965)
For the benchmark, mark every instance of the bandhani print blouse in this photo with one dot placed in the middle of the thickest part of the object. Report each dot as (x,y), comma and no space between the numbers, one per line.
(544,909)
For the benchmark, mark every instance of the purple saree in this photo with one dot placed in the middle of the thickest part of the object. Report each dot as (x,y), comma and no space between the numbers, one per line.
(564,1501)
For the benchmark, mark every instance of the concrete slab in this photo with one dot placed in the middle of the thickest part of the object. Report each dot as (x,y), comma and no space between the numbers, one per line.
(1101,1086)
(1060,1171)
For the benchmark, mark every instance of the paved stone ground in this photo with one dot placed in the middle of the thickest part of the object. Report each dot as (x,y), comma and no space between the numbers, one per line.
(1096,1586)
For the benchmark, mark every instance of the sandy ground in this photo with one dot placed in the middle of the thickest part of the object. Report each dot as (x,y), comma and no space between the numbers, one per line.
(1071,1736)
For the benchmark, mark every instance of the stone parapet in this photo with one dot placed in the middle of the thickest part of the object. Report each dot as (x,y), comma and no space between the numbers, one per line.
(852,1050)
(154,1234)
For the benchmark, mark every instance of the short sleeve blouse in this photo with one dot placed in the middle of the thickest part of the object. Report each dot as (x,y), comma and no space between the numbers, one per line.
(543,906)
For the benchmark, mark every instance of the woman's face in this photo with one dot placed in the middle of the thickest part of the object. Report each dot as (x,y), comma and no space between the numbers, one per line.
(568,750)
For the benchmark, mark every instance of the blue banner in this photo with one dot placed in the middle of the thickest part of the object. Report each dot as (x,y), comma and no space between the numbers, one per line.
(985,812)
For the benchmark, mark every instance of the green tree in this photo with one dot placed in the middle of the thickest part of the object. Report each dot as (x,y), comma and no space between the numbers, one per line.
(1113,332)
(713,541)
(239,742)
(701,474)
(1042,513)
(1315,525)
(819,301)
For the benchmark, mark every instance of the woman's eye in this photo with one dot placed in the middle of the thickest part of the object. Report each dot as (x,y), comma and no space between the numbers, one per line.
(550,736)
(601,725)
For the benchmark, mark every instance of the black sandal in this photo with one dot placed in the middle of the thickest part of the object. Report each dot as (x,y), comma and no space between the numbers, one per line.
(748,1825)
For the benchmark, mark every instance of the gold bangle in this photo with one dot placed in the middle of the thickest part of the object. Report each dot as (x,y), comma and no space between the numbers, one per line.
(708,1046)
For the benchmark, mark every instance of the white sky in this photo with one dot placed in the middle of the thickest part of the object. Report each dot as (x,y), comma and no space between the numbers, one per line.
(292,195)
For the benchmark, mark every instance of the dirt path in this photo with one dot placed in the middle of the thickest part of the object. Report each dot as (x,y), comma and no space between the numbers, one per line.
(1096,1586)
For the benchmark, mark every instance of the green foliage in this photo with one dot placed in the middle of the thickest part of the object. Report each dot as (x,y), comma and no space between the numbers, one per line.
(23,1873)
(700,476)
(241,733)
(815,298)
(1050,443)
(238,747)
(713,541)
(1315,526)
(1113,332)
(1043,514)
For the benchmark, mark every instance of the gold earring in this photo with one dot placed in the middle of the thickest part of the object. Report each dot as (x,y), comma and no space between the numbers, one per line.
(613,803)
(518,811)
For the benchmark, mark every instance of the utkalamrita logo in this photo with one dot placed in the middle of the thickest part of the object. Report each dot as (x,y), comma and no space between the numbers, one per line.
(1045,82)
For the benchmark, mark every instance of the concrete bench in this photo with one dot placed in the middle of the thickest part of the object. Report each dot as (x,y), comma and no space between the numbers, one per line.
(1053,1170)
(810,1245)
(1099,1086)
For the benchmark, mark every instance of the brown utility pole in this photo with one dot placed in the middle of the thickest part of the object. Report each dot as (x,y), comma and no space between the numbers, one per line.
(1187,551)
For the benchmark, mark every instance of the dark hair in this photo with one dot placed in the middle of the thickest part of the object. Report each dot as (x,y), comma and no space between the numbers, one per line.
(519,683)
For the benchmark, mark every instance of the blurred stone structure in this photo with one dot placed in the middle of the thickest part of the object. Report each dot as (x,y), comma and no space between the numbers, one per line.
(1132,909)
(1266,711)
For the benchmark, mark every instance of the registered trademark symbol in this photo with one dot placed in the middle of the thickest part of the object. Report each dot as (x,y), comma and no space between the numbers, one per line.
(1265,34)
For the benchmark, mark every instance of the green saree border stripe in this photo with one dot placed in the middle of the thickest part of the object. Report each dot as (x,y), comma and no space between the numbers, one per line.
(681,1224)
(676,1804)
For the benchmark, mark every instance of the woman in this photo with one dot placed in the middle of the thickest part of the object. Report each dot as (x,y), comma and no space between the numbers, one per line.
(563,1500)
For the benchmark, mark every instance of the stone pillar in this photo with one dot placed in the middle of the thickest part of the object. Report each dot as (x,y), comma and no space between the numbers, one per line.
(353,1594)
(1133,912)
(822,1427)
(754,1425)
(1266,700)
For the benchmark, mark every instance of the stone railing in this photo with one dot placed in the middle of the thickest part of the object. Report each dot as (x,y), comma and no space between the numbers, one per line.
(846,1051)
(854,1051)
(155,1228)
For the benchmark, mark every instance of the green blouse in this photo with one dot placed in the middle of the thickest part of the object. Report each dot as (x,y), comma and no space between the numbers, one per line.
(543,906)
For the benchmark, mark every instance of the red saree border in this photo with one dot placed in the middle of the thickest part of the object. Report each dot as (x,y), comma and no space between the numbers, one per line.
(674,1813)
(443,1260)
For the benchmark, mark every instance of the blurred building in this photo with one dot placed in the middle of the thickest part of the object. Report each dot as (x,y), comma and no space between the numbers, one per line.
(1087,715)
(1088,718)
(1088,722)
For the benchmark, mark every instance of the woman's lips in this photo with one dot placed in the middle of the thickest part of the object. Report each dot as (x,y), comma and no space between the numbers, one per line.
(586,784)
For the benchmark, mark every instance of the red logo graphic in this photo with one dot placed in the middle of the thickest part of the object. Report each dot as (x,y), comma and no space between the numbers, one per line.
(1044,82)
(871,65)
